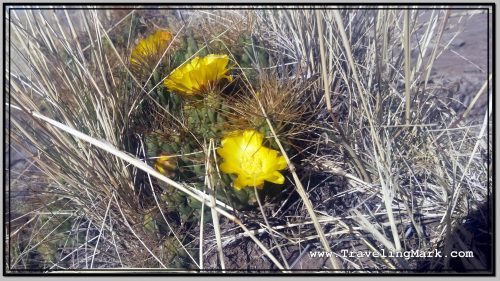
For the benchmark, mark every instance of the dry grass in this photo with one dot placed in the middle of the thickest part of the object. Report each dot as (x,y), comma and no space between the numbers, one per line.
(379,157)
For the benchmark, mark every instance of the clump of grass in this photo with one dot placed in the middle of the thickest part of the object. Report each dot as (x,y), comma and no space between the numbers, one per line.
(84,87)
(377,157)
(388,133)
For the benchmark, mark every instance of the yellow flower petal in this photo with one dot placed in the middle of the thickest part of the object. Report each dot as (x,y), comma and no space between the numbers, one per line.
(198,75)
(252,139)
(159,168)
(276,177)
(239,183)
(150,49)
(281,163)
(253,163)
(165,164)
(228,149)
(228,168)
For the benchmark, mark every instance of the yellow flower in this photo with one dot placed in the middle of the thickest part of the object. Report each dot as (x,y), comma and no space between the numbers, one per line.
(245,156)
(165,165)
(198,75)
(149,50)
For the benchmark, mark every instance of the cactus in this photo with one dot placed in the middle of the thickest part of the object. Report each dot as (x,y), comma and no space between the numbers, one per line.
(196,114)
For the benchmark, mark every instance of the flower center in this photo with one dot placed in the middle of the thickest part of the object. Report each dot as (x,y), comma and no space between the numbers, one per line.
(251,165)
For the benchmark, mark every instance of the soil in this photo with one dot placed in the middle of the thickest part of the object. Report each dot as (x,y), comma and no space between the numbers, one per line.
(466,63)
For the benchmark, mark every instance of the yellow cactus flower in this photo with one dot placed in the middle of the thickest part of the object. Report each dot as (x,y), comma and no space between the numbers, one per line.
(165,165)
(149,50)
(198,75)
(253,163)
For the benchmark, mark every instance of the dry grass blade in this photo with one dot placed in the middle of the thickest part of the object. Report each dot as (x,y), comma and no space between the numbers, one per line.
(325,73)
(476,97)
(137,236)
(268,226)
(215,216)
(303,196)
(436,47)
(100,232)
(407,48)
(374,135)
